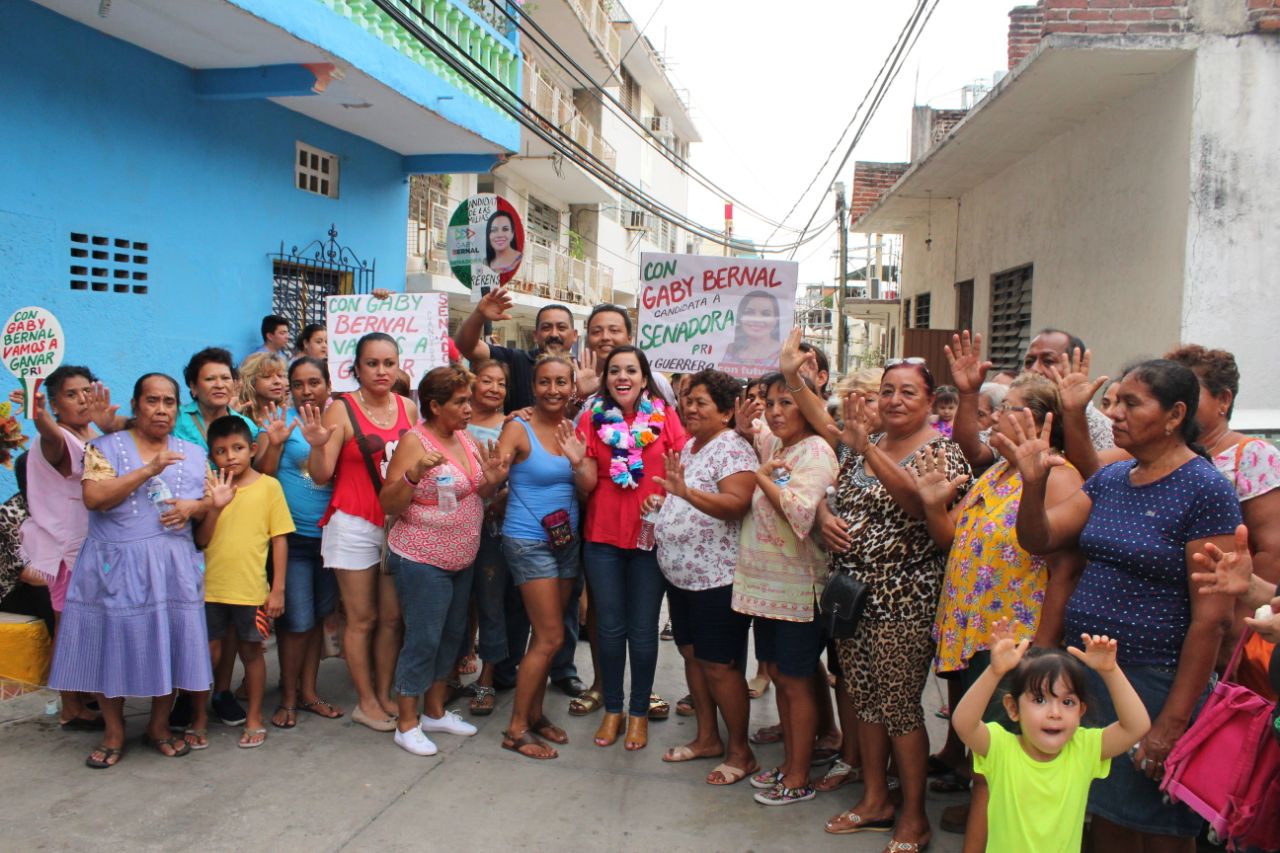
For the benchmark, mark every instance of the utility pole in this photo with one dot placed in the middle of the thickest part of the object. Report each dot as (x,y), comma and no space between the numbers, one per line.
(841,353)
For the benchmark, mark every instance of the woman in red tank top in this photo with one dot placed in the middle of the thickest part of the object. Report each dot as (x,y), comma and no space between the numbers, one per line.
(352,538)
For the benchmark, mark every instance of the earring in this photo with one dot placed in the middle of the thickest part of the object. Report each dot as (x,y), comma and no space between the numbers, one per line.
(1168,430)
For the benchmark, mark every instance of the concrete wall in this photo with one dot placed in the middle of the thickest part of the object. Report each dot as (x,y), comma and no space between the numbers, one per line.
(102,137)
(1232,249)
(1101,211)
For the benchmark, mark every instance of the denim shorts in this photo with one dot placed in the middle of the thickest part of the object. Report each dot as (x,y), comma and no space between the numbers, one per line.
(535,559)
(310,590)
(1127,797)
(793,647)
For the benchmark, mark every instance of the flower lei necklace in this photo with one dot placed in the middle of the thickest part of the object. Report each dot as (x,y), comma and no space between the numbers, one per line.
(626,468)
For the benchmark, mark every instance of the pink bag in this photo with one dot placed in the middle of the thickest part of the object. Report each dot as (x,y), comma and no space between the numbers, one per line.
(1226,767)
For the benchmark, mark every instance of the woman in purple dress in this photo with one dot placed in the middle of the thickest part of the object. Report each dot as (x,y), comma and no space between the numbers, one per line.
(133,624)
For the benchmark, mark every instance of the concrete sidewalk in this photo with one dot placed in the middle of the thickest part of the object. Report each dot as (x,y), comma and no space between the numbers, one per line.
(334,785)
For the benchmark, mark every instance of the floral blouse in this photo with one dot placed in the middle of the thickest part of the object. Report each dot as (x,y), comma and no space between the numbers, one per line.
(696,551)
(1252,466)
(781,569)
(892,552)
(988,576)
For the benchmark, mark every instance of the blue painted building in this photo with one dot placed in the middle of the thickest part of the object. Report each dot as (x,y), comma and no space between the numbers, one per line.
(161,162)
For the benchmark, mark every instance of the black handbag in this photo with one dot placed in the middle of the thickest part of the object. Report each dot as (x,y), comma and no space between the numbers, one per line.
(841,604)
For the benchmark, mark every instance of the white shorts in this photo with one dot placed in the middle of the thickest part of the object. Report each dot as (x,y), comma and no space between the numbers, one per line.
(350,543)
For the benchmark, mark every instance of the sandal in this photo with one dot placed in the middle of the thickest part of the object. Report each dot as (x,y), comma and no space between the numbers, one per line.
(291,717)
(837,776)
(951,783)
(527,739)
(659,708)
(178,746)
(252,738)
(823,755)
(767,735)
(730,774)
(684,706)
(637,733)
(589,702)
(329,713)
(849,822)
(483,701)
(758,686)
(467,665)
(105,762)
(678,754)
(896,846)
(607,734)
(197,739)
(549,730)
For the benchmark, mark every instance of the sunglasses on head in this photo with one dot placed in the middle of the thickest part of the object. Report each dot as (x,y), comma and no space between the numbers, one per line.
(915,359)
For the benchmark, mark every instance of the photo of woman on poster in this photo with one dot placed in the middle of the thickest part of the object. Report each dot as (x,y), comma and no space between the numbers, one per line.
(757,337)
(502,244)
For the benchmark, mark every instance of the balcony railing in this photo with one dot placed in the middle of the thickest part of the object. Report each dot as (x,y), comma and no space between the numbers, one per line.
(556,105)
(598,20)
(475,38)
(552,274)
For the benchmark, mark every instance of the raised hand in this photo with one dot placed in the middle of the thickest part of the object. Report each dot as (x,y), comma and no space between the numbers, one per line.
(497,465)
(101,410)
(856,434)
(588,376)
(163,460)
(964,355)
(220,487)
(380,293)
(40,413)
(313,428)
(673,481)
(570,443)
(276,427)
(1099,652)
(1224,572)
(1074,386)
(1030,452)
(1006,652)
(745,412)
(930,474)
(495,304)
(428,460)
(792,358)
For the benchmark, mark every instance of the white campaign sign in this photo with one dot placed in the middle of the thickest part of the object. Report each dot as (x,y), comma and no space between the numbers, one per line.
(699,312)
(418,321)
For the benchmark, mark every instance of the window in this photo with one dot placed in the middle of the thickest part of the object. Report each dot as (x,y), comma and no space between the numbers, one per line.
(543,223)
(922,311)
(906,313)
(316,171)
(630,94)
(964,305)
(1010,318)
(101,264)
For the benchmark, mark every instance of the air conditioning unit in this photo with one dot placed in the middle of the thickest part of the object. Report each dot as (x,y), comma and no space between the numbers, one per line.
(638,220)
(660,125)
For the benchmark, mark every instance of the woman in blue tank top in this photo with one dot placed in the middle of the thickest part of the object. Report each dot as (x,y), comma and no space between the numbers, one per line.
(538,540)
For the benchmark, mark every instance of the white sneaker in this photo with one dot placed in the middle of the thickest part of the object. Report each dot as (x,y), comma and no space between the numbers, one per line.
(450,723)
(415,741)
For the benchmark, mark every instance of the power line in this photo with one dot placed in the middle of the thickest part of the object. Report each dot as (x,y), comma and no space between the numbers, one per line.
(639,35)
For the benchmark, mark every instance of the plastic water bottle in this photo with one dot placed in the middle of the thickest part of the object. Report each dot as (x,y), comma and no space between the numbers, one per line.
(51,707)
(781,476)
(159,495)
(446,497)
(645,540)
(831,500)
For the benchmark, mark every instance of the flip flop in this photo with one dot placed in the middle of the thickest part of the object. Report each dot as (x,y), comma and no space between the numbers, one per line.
(678,754)
(731,774)
(287,724)
(310,708)
(896,846)
(757,687)
(202,736)
(247,738)
(180,747)
(517,745)
(104,763)
(858,824)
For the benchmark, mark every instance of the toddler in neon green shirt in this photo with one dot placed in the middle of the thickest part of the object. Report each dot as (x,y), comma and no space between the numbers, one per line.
(1040,778)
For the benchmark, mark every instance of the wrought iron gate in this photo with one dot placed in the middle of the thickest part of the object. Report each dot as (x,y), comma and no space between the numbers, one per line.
(304,277)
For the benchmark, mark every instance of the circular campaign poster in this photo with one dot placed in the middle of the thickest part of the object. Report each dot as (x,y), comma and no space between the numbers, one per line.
(485,242)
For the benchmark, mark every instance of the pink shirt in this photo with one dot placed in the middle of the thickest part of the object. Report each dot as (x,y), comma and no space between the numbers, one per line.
(446,540)
(58,523)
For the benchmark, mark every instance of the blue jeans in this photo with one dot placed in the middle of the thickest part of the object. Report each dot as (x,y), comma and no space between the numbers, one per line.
(434,603)
(627,587)
(310,590)
(489,591)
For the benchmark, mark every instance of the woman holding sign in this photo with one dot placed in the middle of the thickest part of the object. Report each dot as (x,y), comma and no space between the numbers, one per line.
(350,445)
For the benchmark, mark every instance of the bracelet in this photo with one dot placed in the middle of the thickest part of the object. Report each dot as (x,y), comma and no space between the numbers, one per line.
(797,389)
(412,483)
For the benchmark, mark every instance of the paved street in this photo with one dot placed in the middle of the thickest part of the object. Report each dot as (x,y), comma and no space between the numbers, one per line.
(338,786)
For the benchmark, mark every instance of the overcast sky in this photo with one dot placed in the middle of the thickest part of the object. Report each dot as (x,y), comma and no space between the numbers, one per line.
(772,84)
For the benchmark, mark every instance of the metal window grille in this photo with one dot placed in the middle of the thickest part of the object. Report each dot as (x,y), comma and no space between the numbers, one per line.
(922,311)
(302,278)
(543,223)
(1010,318)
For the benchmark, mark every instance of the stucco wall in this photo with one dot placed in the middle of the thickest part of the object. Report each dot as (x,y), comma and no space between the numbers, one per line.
(102,137)
(1233,227)
(1101,211)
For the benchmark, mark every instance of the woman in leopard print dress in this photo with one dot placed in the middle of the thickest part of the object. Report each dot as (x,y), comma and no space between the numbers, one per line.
(887,660)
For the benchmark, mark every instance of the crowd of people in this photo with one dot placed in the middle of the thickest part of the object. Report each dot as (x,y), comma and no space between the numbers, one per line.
(1045,557)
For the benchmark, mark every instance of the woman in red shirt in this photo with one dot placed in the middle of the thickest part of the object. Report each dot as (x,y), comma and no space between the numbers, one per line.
(351,542)
(627,430)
